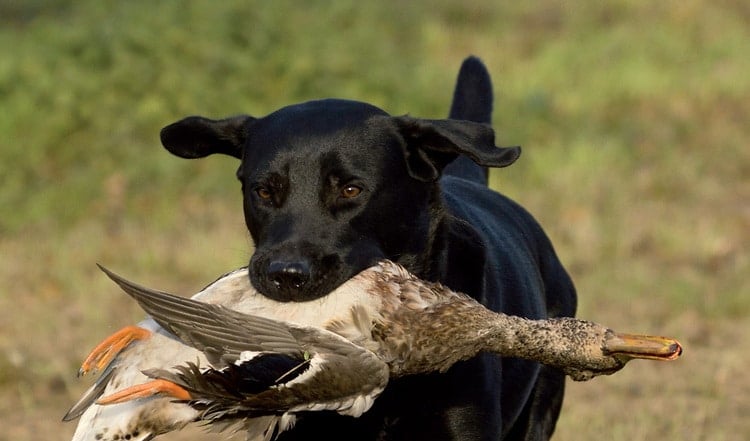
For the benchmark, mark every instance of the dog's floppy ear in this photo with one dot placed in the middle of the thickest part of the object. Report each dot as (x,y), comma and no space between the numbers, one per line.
(431,144)
(196,136)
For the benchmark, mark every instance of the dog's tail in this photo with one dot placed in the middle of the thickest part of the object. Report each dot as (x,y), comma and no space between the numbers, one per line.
(472,98)
(472,101)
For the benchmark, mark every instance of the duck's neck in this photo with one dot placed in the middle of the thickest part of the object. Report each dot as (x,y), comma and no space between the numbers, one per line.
(561,342)
(572,345)
(460,333)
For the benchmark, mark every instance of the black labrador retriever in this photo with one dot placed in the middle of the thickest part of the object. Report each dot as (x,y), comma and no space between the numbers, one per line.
(332,186)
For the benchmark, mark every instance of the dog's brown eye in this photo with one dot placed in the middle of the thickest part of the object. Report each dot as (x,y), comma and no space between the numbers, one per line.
(350,191)
(263,193)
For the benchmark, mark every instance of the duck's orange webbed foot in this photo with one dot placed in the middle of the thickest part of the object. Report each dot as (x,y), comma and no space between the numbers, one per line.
(107,350)
(145,390)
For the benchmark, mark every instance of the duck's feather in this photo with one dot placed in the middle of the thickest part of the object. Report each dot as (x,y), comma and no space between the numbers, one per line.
(90,396)
(221,330)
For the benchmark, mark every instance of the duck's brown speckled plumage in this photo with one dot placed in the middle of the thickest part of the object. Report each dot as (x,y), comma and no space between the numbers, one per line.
(388,319)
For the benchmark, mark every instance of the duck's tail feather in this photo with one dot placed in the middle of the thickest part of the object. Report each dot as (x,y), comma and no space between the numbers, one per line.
(90,396)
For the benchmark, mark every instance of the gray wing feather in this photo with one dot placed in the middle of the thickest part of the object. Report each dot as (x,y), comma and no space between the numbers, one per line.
(210,328)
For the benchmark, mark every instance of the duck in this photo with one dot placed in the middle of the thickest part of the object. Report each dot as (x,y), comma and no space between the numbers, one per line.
(231,358)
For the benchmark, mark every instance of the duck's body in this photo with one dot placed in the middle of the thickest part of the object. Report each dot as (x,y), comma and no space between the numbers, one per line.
(335,353)
(123,357)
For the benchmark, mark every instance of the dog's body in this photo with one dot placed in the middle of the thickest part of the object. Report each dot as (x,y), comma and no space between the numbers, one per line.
(332,186)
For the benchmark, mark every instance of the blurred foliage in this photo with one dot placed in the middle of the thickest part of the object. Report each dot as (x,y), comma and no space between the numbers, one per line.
(633,117)
(86,85)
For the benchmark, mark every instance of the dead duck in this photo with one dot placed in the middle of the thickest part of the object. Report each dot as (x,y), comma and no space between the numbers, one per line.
(248,360)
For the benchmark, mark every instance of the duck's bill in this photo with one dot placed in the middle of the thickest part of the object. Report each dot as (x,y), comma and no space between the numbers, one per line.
(642,346)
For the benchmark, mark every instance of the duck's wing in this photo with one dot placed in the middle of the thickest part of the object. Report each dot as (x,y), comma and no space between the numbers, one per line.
(221,333)
(315,369)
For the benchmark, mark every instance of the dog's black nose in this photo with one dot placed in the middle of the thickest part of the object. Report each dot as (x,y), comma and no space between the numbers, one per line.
(289,275)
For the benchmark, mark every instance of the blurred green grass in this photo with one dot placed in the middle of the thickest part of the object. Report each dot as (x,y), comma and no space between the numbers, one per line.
(633,117)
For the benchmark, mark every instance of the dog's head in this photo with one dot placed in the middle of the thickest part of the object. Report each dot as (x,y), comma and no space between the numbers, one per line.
(332,186)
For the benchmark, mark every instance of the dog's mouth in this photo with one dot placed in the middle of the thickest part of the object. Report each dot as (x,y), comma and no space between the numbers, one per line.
(298,280)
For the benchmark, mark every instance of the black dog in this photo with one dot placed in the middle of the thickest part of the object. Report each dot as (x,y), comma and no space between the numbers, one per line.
(332,186)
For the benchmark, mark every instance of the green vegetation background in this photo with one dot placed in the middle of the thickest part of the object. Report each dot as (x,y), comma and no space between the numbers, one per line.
(633,117)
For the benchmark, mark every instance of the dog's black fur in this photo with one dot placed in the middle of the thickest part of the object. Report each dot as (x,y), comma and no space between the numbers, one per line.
(332,186)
